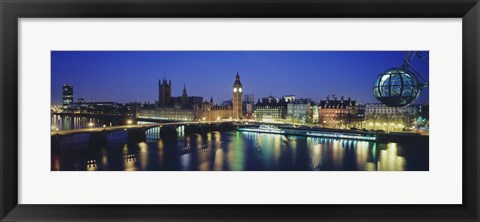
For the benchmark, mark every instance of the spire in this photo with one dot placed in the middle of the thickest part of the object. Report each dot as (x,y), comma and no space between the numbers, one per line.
(211,100)
(184,90)
(184,96)
(237,81)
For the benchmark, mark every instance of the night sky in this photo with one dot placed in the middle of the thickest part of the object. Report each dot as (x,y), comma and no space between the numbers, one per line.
(126,76)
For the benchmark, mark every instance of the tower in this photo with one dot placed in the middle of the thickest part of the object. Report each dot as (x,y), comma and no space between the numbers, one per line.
(237,98)
(184,96)
(164,93)
(67,95)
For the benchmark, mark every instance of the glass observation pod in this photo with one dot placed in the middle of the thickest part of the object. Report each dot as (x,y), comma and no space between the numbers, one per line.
(400,86)
(397,87)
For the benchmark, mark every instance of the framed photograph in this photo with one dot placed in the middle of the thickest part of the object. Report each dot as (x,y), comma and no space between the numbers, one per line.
(257,110)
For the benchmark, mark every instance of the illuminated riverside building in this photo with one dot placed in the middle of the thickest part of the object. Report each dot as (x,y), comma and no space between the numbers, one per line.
(314,111)
(226,110)
(381,117)
(168,113)
(336,113)
(212,112)
(270,110)
(184,107)
(67,95)
(192,108)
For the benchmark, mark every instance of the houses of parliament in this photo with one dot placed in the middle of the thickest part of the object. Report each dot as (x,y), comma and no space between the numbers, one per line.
(193,108)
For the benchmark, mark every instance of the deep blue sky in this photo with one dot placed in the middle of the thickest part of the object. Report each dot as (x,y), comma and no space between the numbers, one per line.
(124,76)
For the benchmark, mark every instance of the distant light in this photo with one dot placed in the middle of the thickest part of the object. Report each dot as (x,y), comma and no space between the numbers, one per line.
(104,126)
(90,124)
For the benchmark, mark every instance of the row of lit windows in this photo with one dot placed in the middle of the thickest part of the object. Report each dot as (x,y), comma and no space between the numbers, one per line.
(333,115)
(333,111)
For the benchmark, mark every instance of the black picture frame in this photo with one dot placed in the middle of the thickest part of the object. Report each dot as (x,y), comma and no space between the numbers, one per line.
(12,10)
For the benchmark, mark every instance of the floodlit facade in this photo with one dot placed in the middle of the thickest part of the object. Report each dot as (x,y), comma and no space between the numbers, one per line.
(168,113)
(270,110)
(237,98)
(381,117)
(336,113)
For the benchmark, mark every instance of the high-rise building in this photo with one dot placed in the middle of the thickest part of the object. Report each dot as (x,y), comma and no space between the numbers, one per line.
(67,95)
(164,93)
(237,98)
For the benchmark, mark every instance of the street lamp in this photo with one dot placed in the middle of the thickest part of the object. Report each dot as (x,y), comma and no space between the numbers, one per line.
(90,124)
(129,122)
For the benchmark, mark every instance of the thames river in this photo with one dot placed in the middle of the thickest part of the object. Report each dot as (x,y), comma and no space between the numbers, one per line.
(230,150)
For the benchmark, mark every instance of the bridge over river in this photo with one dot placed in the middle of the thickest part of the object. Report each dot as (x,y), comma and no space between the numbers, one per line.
(137,132)
(134,127)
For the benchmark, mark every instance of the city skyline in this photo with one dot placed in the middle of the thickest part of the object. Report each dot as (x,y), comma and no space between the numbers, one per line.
(128,76)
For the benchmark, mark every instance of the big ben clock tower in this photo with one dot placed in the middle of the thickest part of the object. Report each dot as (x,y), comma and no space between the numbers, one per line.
(237,98)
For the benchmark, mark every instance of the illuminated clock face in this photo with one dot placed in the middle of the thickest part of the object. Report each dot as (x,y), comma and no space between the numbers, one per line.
(240,89)
(235,89)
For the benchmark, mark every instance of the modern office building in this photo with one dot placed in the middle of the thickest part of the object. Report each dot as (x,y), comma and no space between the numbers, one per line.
(67,95)
(298,112)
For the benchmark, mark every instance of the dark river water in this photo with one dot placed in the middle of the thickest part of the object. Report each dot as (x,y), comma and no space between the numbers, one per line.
(230,151)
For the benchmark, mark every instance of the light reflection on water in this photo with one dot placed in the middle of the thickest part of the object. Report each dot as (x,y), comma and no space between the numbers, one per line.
(236,151)
(77,122)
